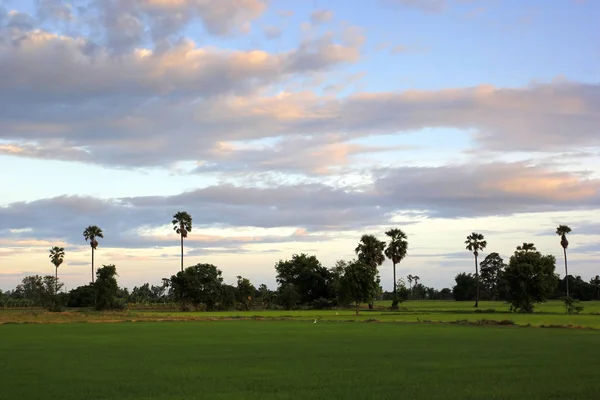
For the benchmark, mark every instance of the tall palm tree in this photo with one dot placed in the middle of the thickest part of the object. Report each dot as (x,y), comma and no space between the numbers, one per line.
(410,279)
(57,255)
(526,247)
(396,251)
(370,251)
(562,231)
(182,224)
(91,233)
(475,243)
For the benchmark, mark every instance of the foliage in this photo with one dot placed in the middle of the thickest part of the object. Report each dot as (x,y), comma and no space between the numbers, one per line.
(245,292)
(107,289)
(91,233)
(491,269)
(310,279)
(182,223)
(197,285)
(465,287)
(288,296)
(370,251)
(530,278)
(82,296)
(572,306)
(358,284)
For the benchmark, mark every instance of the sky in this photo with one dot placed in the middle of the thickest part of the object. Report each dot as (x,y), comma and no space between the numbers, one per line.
(296,126)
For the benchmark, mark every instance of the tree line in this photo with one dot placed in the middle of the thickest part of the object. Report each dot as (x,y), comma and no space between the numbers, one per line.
(303,282)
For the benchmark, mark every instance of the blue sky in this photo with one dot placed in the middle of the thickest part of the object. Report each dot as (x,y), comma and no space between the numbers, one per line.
(290,126)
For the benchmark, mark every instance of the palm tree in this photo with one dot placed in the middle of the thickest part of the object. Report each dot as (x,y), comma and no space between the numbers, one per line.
(409,278)
(562,231)
(476,242)
(91,233)
(182,224)
(526,247)
(370,251)
(57,255)
(396,251)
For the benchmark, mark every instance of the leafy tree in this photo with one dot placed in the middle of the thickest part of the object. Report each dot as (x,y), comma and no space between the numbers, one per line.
(595,282)
(370,251)
(107,289)
(92,233)
(402,291)
(475,243)
(265,295)
(57,255)
(530,277)
(311,280)
(491,268)
(562,231)
(465,287)
(288,296)
(197,285)
(228,296)
(82,296)
(182,224)
(396,251)
(245,292)
(358,283)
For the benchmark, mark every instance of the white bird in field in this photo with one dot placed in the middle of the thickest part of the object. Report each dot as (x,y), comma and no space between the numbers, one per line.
(315,321)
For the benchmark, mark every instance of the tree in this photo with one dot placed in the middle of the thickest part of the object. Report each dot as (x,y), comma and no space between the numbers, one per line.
(197,285)
(245,291)
(465,287)
(402,290)
(107,289)
(595,282)
(530,278)
(562,231)
(526,247)
(475,243)
(311,279)
(57,255)
(358,283)
(396,251)
(182,224)
(491,268)
(91,233)
(288,296)
(410,278)
(370,251)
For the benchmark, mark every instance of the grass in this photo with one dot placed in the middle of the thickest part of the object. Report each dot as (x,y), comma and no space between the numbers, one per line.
(547,314)
(240,359)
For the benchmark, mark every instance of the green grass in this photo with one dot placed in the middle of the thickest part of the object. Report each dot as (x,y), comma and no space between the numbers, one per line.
(296,360)
(550,313)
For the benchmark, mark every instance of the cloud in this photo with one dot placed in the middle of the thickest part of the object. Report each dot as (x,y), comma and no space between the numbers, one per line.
(124,25)
(308,212)
(319,17)
(137,126)
(272,32)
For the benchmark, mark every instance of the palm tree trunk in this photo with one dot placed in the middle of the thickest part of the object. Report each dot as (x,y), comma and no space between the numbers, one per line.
(395,302)
(55,280)
(181,253)
(92,265)
(476,283)
(566,271)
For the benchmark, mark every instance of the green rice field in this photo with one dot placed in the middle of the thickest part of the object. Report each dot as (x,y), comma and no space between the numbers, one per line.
(296,360)
(286,355)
